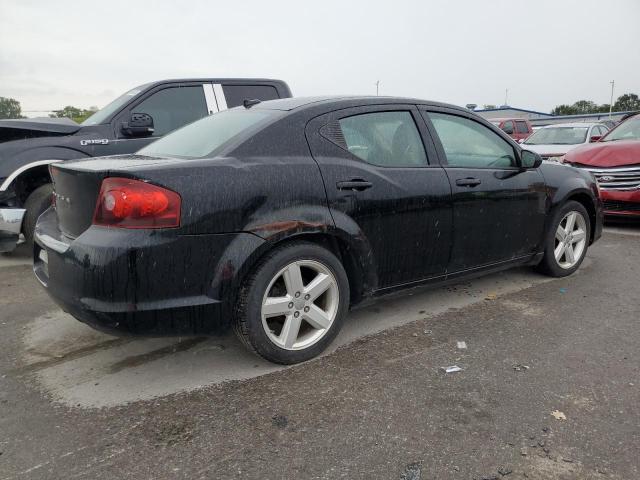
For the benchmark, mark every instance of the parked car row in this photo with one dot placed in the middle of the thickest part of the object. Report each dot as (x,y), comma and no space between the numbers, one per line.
(278,215)
(274,218)
(589,146)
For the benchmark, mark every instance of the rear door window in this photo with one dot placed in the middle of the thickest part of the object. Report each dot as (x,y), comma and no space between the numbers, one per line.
(386,139)
(508,127)
(173,107)
(236,94)
(521,127)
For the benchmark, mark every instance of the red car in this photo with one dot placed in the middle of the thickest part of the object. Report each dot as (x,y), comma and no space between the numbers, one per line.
(615,162)
(517,128)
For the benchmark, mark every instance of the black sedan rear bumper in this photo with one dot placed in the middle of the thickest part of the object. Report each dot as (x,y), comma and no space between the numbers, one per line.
(140,282)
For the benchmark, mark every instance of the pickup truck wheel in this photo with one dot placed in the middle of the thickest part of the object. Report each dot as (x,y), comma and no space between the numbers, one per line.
(567,240)
(36,204)
(293,304)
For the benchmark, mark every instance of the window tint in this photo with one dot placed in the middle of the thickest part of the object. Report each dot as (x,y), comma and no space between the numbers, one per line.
(236,94)
(388,139)
(521,127)
(204,137)
(173,107)
(469,144)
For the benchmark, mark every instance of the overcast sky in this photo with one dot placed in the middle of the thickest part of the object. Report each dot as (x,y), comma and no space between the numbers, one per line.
(83,53)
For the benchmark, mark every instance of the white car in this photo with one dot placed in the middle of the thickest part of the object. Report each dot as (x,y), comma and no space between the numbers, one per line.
(553,141)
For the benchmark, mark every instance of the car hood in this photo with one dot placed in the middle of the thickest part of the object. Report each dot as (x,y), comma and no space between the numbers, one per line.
(36,127)
(549,149)
(607,154)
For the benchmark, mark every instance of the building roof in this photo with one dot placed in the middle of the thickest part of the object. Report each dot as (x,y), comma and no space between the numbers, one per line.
(506,107)
(556,117)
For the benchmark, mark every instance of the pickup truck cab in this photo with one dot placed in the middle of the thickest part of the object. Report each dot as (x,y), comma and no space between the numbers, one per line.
(517,128)
(130,122)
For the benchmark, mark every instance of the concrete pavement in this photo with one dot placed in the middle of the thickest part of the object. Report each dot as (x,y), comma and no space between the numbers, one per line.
(79,404)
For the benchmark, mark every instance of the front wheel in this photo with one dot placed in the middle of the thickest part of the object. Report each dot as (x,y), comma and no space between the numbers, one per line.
(293,304)
(566,241)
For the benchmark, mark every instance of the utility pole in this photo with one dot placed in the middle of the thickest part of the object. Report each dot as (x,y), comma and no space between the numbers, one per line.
(506,96)
(377,88)
(612,82)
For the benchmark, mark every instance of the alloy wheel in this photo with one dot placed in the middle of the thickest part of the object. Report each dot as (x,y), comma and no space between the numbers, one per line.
(571,240)
(300,305)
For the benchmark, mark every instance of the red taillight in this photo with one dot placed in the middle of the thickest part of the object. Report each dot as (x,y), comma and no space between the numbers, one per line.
(128,203)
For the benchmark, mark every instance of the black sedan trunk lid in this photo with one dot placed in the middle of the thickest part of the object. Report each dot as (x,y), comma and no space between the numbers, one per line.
(75,193)
(76,186)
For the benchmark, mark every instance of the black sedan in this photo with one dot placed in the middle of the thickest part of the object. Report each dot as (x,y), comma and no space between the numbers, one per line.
(275,218)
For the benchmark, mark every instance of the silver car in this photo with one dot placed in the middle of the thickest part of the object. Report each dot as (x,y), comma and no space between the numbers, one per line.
(554,141)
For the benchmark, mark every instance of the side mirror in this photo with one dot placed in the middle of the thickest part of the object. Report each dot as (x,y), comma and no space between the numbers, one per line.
(139,125)
(595,138)
(529,159)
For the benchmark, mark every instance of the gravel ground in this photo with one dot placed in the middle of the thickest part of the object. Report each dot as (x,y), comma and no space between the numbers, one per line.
(549,389)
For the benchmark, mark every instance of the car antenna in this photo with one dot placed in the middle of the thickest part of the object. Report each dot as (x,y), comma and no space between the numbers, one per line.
(250,103)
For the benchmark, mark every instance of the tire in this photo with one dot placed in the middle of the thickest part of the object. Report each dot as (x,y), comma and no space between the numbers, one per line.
(562,266)
(273,284)
(37,202)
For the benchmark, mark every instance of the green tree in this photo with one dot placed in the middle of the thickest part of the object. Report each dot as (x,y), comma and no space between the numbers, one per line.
(624,103)
(10,108)
(584,106)
(627,102)
(564,110)
(74,113)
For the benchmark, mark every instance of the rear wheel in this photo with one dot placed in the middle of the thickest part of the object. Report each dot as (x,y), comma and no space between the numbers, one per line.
(567,240)
(37,202)
(293,304)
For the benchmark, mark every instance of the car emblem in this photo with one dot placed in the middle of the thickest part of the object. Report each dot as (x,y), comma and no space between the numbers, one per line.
(99,141)
(607,178)
(62,198)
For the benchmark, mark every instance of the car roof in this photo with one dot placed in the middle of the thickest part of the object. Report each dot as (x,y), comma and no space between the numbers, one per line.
(213,80)
(288,104)
(504,119)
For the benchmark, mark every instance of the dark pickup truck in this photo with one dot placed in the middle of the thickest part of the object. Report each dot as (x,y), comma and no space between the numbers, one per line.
(127,124)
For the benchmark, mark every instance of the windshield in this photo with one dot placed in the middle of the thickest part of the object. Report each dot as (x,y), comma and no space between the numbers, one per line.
(202,137)
(558,136)
(103,114)
(629,130)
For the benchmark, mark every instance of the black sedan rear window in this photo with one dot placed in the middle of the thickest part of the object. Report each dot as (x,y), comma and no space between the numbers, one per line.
(203,137)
